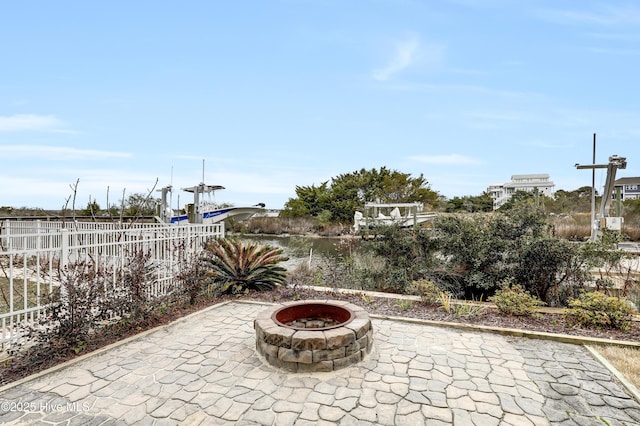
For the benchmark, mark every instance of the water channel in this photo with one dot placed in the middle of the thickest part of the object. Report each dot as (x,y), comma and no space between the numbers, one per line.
(302,248)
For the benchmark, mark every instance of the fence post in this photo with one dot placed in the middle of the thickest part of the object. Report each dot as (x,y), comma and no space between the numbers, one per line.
(64,248)
(65,242)
(7,229)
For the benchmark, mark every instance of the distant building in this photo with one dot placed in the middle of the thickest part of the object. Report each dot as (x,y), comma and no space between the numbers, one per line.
(502,192)
(629,188)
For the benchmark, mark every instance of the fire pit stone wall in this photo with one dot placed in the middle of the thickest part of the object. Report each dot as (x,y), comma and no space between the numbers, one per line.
(308,350)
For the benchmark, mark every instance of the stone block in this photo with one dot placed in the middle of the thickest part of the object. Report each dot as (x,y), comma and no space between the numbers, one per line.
(308,340)
(347,361)
(352,348)
(285,365)
(339,337)
(342,303)
(262,324)
(361,314)
(265,314)
(279,336)
(290,355)
(327,355)
(267,349)
(360,326)
(363,341)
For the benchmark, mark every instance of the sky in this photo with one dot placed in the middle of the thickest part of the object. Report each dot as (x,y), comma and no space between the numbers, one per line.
(124,97)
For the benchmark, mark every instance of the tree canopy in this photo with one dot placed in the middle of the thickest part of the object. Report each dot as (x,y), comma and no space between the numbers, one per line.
(348,192)
(471,204)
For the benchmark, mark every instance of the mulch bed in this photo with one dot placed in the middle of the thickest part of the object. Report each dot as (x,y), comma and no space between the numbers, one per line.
(551,323)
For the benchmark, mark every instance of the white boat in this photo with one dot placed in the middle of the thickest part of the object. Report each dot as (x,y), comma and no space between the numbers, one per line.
(203,211)
(386,214)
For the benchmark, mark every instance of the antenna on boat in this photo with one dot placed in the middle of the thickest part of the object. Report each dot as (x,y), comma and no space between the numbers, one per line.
(171,193)
(203,170)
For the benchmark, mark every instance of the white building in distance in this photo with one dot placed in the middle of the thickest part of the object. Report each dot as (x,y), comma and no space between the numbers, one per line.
(502,192)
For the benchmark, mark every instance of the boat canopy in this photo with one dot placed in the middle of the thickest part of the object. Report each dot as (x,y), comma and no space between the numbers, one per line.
(203,188)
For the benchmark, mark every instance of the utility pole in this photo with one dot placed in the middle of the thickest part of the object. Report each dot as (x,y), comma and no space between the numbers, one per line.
(615,163)
(594,228)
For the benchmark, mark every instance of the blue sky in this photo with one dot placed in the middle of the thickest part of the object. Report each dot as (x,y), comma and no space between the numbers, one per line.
(274,94)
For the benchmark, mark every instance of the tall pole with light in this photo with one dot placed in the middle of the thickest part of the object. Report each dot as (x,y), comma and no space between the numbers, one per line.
(615,163)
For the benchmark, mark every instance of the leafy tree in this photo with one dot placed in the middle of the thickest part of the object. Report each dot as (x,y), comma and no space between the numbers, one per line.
(410,250)
(140,205)
(543,264)
(92,209)
(348,192)
(475,252)
(471,204)
(479,248)
(568,202)
(6,210)
(531,198)
(311,201)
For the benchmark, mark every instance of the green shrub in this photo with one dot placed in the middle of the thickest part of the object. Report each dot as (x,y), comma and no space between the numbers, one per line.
(596,309)
(428,291)
(514,300)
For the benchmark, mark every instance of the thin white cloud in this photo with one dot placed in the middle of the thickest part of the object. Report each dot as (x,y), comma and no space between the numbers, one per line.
(465,89)
(49,187)
(404,55)
(617,52)
(445,160)
(28,122)
(620,37)
(603,14)
(57,153)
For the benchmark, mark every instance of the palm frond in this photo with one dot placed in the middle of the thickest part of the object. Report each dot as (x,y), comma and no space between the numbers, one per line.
(237,266)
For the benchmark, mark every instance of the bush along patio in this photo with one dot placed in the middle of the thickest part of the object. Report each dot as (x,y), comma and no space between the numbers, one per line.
(513,259)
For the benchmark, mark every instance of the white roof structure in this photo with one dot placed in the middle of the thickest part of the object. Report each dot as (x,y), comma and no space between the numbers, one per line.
(502,192)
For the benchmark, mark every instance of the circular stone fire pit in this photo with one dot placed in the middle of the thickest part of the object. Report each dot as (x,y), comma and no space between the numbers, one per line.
(314,335)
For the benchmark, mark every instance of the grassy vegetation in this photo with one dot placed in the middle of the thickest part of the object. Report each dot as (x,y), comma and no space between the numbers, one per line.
(291,226)
(576,227)
(625,360)
(18,294)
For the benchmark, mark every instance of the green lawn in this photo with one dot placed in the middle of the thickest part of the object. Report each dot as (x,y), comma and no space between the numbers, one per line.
(18,294)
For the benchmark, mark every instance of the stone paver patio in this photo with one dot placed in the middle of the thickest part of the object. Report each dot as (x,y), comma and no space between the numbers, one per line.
(205,370)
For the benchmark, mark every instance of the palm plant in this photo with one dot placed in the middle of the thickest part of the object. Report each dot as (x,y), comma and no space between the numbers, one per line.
(238,266)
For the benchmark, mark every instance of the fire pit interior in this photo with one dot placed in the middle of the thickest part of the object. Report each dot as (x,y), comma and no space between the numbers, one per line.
(319,316)
(316,335)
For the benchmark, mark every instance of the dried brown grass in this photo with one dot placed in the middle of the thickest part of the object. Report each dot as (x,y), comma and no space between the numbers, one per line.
(626,360)
(290,226)
(577,227)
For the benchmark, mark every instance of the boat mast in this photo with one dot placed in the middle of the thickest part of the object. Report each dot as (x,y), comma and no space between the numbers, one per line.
(171,195)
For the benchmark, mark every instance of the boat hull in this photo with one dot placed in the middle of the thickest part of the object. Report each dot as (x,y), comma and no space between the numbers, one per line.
(219,215)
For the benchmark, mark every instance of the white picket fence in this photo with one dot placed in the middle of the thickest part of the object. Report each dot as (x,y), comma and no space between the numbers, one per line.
(32,254)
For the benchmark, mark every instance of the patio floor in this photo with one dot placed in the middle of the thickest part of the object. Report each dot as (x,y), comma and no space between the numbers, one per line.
(204,370)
